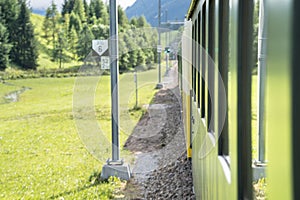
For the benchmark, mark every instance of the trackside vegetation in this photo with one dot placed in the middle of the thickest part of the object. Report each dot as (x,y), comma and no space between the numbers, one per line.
(41,154)
(63,39)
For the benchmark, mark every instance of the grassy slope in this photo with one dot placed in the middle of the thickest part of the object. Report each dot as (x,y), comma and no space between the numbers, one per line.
(41,155)
(44,60)
(254,118)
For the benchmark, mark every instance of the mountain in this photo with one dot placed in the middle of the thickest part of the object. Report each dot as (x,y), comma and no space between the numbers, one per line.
(173,10)
(39,11)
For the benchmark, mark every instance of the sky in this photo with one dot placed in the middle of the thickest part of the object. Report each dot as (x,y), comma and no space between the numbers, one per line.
(43,4)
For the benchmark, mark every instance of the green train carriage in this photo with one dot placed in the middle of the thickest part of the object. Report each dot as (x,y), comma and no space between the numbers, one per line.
(216,59)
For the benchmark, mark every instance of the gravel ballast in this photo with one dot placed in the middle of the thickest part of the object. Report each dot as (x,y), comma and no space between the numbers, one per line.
(162,169)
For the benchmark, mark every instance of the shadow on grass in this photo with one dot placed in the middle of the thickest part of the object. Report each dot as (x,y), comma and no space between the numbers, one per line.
(94,180)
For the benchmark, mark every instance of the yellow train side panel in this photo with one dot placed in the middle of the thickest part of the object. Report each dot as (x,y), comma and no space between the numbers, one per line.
(186,81)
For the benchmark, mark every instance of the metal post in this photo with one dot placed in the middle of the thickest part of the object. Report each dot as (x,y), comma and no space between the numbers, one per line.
(114,167)
(262,46)
(167,61)
(167,55)
(114,79)
(159,85)
(136,88)
(166,13)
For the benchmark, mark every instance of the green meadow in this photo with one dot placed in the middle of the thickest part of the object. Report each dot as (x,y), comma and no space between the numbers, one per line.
(45,138)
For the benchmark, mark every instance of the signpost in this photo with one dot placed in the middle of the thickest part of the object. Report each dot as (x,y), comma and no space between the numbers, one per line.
(114,166)
(136,88)
(105,62)
(158,48)
(100,46)
(159,84)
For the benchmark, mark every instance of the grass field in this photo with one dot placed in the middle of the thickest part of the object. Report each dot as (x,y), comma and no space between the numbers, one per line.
(42,155)
(254,118)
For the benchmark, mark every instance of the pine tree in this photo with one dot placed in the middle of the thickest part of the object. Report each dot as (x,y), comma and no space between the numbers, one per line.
(67,7)
(86,8)
(24,51)
(79,10)
(4,47)
(84,42)
(60,47)
(104,19)
(75,22)
(72,42)
(99,10)
(65,29)
(8,14)
(122,18)
(46,26)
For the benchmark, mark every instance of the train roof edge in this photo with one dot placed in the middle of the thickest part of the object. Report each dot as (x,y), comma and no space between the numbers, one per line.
(191,9)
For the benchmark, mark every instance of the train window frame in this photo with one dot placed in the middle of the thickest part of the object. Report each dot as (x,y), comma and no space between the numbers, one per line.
(223,60)
(210,66)
(193,58)
(244,72)
(200,60)
(196,61)
(203,58)
(223,67)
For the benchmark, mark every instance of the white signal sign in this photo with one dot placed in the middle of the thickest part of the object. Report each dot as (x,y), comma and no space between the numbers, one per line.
(100,46)
(105,62)
(158,48)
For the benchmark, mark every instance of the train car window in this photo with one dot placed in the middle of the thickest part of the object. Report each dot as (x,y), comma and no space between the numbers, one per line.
(193,57)
(210,64)
(223,70)
(203,56)
(196,61)
(198,55)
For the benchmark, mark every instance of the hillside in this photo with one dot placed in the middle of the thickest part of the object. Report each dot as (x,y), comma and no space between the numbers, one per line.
(176,10)
(44,60)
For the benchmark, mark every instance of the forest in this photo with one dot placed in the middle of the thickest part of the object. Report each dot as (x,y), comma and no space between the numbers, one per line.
(66,36)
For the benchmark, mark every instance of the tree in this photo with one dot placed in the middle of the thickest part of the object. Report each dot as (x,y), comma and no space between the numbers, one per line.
(86,8)
(79,10)
(133,22)
(142,22)
(46,26)
(99,10)
(104,17)
(255,34)
(8,14)
(67,7)
(84,42)
(72,42)
(75,22)
(24,51)
(122,18)
(4,47)
(51,27)
(50,24)
(60,47)
(100,31)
